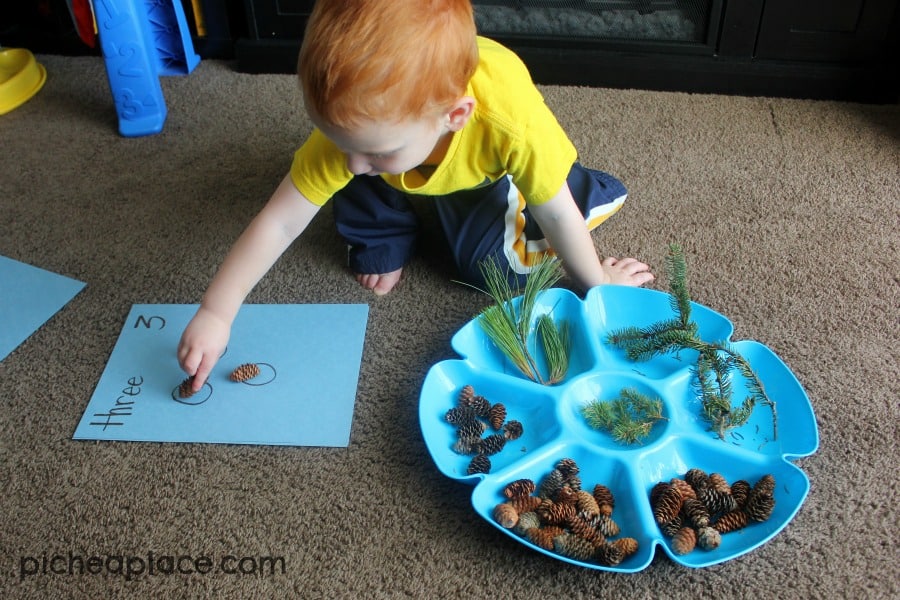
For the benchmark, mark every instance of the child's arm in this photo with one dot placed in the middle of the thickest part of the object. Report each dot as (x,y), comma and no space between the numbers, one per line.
(270,233)
(564,227)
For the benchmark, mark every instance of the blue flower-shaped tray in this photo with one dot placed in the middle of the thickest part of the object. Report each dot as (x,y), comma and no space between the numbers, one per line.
(554,427)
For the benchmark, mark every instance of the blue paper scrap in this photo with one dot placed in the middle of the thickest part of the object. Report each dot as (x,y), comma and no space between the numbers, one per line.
(29,296)
(308,354)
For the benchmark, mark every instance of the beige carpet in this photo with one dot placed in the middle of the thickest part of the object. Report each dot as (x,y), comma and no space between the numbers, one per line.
(788,212)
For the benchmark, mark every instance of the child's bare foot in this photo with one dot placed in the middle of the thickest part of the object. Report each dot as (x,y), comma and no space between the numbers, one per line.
(380,283)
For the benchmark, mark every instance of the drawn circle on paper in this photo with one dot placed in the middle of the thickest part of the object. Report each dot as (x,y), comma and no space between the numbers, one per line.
(198,398)
(267,375)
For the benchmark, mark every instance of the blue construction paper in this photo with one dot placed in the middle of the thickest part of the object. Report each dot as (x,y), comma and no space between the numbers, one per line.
(309,356)
(29,296)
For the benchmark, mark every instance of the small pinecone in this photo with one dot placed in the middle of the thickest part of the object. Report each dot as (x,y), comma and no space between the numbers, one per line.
(480,464)
(586,503)
(717,482)
(567,495)
(609,555)
(496,416)
(492,444)
(513,430)
(684,541)
(759,507)
(697,478)
(480,405)
(765,485)
(184,389)
(583,528)
(740,490)
(573,481)
(543,536)
(568,467)
(717,501)
(519,487)
(605,500)
(668,505)
(556,513)
(465,394)
(683,487)
(527,520)
(573,546)
(245,372)
(466,446)
(627,545)
(670,528)
(606,526)
(655,492)
(506,516)
(471,430)
(696,512)
(524,504)
(731,521)
(459,415)
(551,484)
(708,538)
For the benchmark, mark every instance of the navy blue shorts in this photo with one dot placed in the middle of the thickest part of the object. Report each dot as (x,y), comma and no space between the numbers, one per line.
(379,224)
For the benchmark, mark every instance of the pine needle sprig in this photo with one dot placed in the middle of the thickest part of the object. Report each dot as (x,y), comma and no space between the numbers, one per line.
(628,418)
(509,325)
(680,299)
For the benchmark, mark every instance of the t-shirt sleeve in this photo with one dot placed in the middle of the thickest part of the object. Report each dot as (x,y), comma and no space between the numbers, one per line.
(319,169)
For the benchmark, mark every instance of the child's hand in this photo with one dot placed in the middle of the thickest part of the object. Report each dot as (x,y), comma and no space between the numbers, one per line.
(628,271)
(202,343)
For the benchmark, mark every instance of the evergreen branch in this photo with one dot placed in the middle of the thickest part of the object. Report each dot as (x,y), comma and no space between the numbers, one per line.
(556,344)
(628,418)
(677,270)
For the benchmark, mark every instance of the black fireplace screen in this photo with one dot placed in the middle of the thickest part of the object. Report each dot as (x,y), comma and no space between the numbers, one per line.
(660,20)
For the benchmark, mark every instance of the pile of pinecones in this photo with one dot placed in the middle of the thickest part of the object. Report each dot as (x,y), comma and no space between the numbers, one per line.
(698,509)
(472,416)
(564,518)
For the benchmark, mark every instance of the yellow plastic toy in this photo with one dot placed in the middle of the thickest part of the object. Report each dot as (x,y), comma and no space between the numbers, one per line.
(21,77)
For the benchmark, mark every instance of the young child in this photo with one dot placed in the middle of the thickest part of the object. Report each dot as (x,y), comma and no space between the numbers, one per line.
(408,102)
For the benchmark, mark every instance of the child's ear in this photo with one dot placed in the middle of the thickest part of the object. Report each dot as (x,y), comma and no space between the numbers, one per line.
(460,113)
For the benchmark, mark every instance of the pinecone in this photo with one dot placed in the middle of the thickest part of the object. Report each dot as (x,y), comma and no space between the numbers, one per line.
(479,464)
(683,487)
(717,482)
(670,528)
(655,492)
(496,416)
(708,538)
(732,521)
(551,483)
(555,513)
(740,490)
(519,487)
(506,515)
(466,394)
(568,467)
(527,520)
(684,541)
(543,536)
(245,372)
(697,478)
(513,430)
(586,503)
(567,495)
(467,446)
(668,505)
(717,501)
(606,526)
(480,405)
(581,527)
(696,512)
(627,545)
(573,546)
(184,389)
(759,507)
(524,504)
(460,415)
(609,555)
(605,500)
(765,485)
(492,444)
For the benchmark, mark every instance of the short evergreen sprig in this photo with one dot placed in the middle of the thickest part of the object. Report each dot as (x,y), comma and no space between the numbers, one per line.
(715,361)
(628,418)
(510,327)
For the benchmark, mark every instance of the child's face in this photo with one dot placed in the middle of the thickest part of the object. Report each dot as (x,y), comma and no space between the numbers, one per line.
(375,148)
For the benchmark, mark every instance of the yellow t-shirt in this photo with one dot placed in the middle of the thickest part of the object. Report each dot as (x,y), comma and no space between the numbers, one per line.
(512,131)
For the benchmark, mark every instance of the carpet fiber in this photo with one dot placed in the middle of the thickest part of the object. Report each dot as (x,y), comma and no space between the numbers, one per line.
(788,214)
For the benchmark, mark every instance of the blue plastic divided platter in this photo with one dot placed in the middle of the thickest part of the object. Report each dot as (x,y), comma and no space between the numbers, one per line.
(555,428)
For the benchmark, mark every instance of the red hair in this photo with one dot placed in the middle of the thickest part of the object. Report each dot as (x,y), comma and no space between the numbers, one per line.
(386,60)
